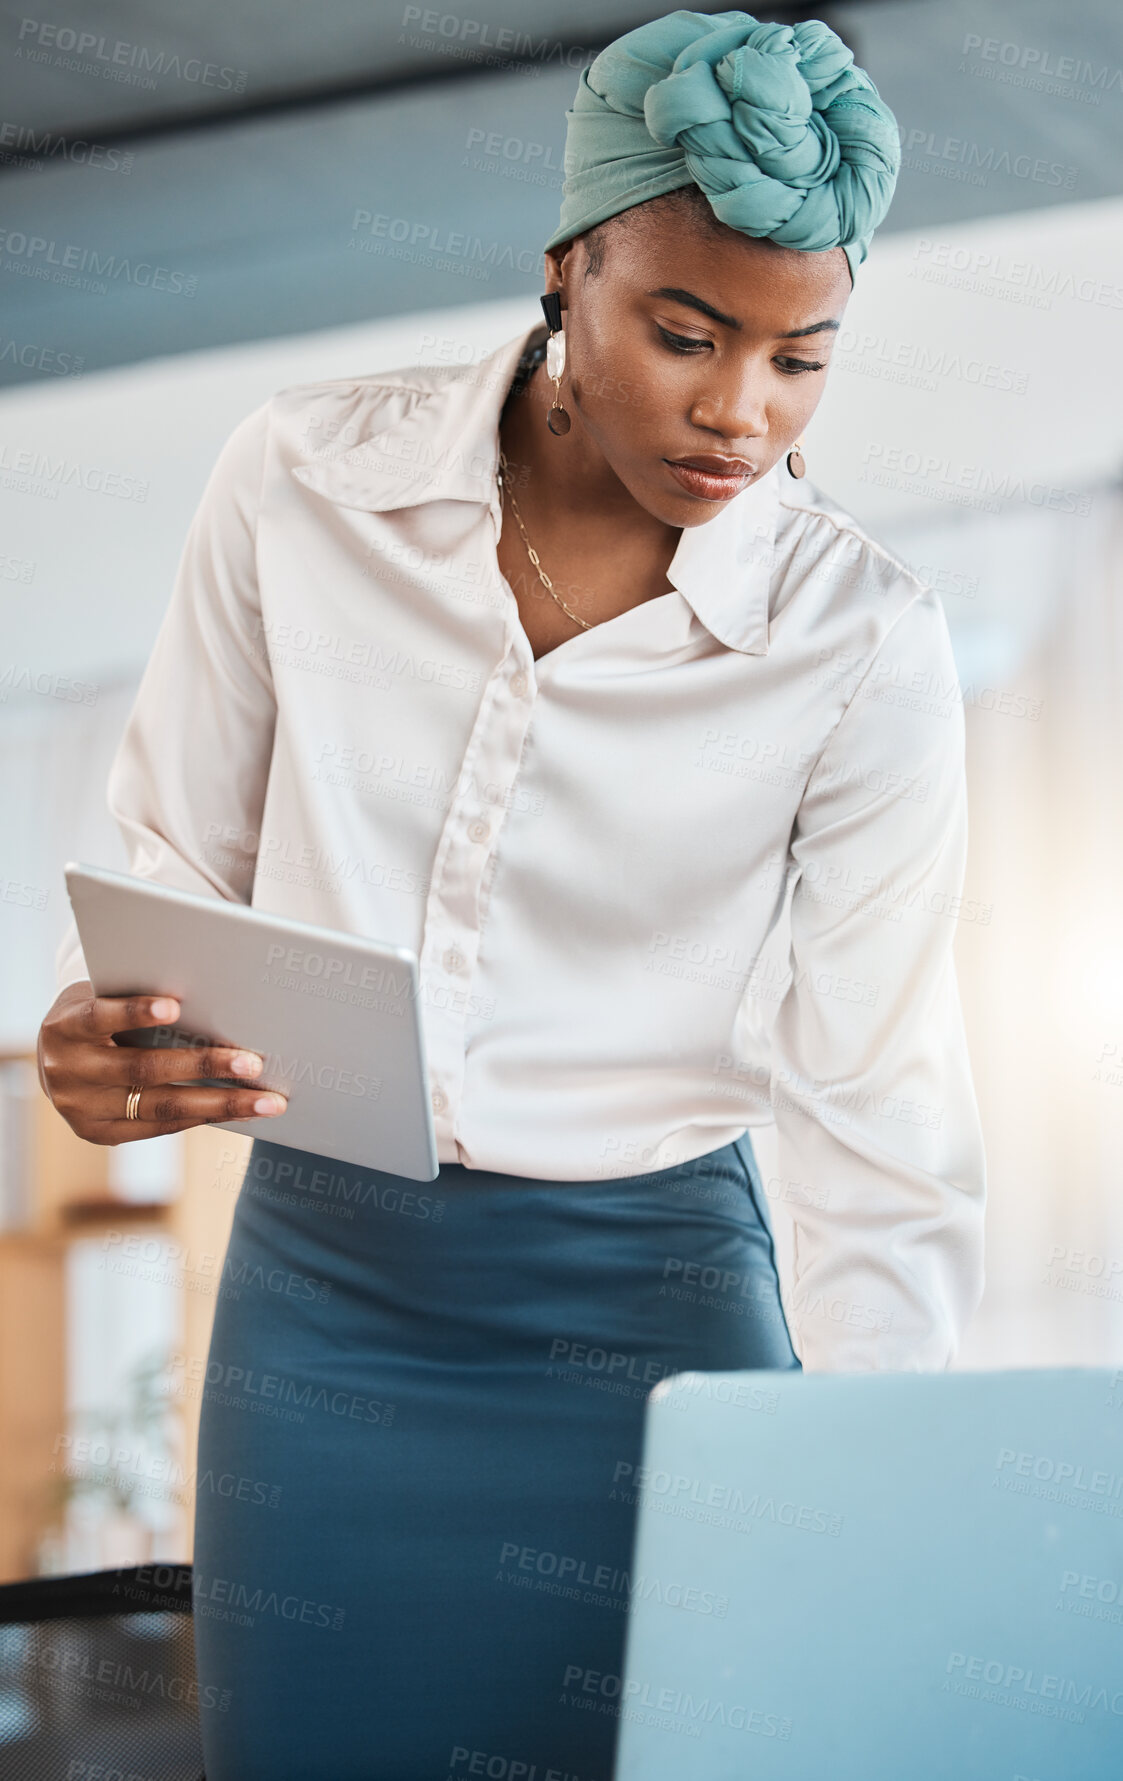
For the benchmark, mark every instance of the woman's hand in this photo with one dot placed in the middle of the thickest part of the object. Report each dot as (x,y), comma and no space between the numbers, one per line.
(87,1078)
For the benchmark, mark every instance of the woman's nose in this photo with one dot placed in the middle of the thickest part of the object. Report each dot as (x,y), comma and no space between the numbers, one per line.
(734,408)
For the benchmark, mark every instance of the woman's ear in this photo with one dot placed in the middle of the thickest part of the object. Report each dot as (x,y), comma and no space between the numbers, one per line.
(555,259)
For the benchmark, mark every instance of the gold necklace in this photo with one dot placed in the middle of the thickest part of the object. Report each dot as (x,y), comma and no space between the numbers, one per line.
(506,489)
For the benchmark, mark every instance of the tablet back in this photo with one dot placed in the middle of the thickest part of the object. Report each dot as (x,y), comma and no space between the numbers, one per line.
(336,1018)
(875,1577)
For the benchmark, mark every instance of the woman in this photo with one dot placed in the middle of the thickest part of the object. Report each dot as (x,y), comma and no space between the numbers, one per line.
(564,675)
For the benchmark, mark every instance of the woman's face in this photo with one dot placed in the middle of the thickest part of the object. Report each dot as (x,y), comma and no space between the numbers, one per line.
(693,347)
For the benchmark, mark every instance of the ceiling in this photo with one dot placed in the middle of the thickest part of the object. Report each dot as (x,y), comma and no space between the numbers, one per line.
(131,73)
(247,170)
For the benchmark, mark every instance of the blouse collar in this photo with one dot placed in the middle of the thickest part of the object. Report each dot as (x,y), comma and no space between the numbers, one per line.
(406,437)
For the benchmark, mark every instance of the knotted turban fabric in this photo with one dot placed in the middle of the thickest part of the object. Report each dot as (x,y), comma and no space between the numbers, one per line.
(785,135)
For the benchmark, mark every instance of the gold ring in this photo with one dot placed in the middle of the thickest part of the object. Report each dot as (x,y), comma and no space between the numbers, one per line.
(132,1105)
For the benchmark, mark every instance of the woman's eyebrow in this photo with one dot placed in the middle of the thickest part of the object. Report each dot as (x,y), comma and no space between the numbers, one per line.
(690,301)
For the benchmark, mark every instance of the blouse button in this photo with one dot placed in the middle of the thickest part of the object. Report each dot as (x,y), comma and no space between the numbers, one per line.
(478,831)
(519,684)
(453,959)
(439,1100)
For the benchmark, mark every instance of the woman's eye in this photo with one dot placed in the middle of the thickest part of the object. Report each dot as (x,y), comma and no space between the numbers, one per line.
(793,367)
(682,342)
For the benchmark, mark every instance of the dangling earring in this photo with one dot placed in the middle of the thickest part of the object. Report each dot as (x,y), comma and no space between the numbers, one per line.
(796,465)
(558,419)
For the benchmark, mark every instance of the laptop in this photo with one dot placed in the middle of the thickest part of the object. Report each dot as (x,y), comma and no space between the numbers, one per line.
(877,1577)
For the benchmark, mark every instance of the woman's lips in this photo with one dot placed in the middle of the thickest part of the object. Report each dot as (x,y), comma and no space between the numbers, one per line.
(712,478)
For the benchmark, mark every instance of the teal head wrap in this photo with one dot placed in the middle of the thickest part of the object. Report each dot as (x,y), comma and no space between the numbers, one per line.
(786,137)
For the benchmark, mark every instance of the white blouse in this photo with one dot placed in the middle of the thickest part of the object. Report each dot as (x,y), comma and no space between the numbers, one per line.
(694,869)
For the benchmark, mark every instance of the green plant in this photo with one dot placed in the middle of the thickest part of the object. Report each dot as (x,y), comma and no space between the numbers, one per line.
(144,1420)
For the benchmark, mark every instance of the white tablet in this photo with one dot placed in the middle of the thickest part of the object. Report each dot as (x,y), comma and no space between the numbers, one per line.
(336,1018)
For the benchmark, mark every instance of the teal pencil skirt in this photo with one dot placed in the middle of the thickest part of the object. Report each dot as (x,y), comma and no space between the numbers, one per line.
(421,1414)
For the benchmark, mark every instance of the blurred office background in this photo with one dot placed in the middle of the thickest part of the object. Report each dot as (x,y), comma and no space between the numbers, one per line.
(201,207)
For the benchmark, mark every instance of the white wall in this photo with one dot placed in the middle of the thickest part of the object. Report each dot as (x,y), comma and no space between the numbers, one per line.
(104,565)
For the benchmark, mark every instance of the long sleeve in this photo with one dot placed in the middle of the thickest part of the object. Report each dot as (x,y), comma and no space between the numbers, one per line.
(878,1129)
(187,785)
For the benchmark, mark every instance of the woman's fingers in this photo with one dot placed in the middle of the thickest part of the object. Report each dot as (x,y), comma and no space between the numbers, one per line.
(161,1109)
(98,1017)
(141,1068)
(89,1079)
